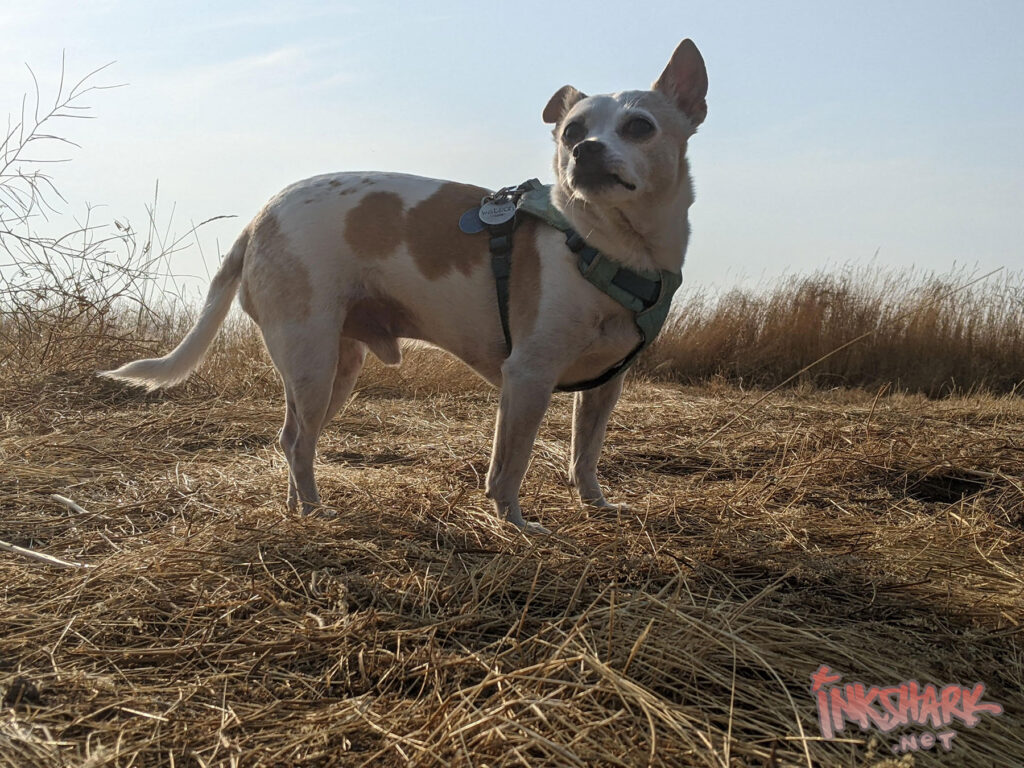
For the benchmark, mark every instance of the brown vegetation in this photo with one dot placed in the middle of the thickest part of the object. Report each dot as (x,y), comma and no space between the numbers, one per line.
(921,333)
(878,532)
(880,535)
(184,618)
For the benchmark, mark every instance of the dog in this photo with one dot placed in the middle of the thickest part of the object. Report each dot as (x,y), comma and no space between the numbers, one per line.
(341,264)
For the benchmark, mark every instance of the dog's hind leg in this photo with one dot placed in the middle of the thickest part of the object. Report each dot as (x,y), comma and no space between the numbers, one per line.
(288,434)
(351,355)
(590,412)
(524,399)
(307,359)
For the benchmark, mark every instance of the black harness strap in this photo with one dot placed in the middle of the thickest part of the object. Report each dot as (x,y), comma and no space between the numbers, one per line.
(634,291)
(645,290)
(501,265)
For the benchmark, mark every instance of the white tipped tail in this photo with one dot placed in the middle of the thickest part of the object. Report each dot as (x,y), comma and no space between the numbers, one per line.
(175,367)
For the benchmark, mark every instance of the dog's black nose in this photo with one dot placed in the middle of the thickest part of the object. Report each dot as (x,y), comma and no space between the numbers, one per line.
(591,149)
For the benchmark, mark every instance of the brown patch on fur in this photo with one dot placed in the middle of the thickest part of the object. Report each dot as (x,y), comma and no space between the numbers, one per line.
(275,284)
(378,322)
(524,281)
(334,183)
(373,229)
(432,232)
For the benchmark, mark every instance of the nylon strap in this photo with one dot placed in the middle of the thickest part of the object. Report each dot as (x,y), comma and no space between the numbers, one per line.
(649,300)
(647,294)
(536,201)
(501,266)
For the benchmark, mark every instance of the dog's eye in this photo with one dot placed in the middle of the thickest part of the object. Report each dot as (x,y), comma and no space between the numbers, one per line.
(574,133)
(638,128)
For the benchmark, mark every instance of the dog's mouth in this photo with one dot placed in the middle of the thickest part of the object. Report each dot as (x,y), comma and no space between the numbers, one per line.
(621,181)
(594,181)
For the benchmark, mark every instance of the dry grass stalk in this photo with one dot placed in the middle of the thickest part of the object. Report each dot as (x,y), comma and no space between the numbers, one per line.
(218,630)
(41,557)
(877,532)
(923,333)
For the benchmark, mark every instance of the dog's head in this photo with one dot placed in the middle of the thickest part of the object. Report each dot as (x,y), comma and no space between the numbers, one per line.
(627,151)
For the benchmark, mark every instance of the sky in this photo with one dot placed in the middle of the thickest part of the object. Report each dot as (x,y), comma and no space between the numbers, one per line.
(838,134)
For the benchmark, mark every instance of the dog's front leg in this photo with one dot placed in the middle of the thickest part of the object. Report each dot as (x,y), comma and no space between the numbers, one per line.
(524,399)
(591,409)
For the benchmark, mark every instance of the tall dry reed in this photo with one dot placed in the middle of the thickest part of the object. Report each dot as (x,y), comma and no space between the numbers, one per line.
(928,333)
(104,293)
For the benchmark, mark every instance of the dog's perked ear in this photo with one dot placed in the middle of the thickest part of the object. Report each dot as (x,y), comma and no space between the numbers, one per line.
(685,82)
(561,103)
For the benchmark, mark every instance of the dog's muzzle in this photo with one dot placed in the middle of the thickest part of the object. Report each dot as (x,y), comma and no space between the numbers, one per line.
(591,172)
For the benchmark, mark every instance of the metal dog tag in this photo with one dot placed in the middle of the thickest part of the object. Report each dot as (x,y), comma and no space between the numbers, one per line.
(470,222)
(497,212)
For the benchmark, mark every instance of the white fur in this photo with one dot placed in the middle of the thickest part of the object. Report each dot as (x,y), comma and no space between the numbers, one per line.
(321,304)
(176,366)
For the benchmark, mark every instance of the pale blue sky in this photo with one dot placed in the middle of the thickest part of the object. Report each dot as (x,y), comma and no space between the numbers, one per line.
(834,129)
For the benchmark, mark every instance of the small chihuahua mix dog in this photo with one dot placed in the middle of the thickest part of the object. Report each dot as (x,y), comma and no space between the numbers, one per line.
(344,263)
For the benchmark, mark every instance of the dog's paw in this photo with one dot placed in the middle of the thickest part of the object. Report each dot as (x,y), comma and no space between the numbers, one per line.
(603,503)
(532,529)
(321,513)
(510,512)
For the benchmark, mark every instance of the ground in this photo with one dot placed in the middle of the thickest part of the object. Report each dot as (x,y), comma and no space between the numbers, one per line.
(765,536)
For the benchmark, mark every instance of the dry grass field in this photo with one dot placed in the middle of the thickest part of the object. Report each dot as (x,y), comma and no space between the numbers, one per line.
(881,535)
(159,607)
(868,326)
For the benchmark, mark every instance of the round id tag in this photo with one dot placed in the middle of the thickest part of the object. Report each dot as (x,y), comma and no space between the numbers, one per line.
(495,213)
(470,222)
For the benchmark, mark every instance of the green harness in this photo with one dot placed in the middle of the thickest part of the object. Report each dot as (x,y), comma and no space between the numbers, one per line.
(646,293)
